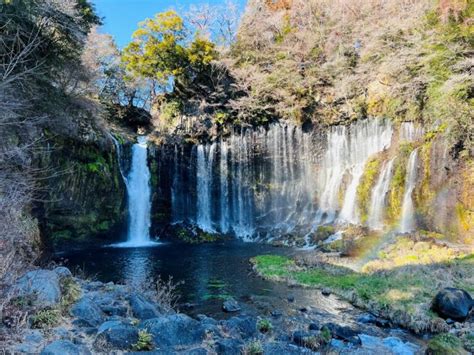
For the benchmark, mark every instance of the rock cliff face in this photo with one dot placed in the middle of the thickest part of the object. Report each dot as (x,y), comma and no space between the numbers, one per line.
(85,197)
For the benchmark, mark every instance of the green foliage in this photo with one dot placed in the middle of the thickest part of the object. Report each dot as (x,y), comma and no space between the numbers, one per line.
(364,190)
(169,112)
(254,347)
(159,52)
(45,318)
(71,292)
(394,291)
(156,52)
(145,341)
(264,325)
(445,344)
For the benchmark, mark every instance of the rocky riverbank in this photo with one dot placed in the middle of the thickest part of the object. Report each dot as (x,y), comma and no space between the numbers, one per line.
(53,312)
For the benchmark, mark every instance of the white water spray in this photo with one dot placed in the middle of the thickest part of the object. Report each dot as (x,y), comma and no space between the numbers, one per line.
(407,222)
(139,198)
(378,198)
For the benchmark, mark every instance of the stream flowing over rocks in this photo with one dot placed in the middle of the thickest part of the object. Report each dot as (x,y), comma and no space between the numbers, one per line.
(111,318)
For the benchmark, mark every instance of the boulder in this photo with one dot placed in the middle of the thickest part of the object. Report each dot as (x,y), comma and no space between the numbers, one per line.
(143,309)
(243,327)
(116,335)
(87,312)
(63,272)
(61,347)
(230,306)
(453,303)
(43,285)
(229,346)
(282,348)
(343,333)
(174,330)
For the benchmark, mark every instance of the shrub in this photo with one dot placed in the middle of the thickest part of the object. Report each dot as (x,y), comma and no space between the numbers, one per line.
(445,344)
(144,343)
(253,347)
(45,318)
(264,325)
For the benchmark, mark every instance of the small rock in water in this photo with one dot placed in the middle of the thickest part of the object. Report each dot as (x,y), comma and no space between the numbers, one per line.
(303,309)
(326,292)
(276,313)
(453,303)
(343,333)
(314,326)
(291,299)
(231,306)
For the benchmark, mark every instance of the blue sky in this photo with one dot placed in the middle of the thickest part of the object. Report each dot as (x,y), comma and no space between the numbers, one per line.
(122,16)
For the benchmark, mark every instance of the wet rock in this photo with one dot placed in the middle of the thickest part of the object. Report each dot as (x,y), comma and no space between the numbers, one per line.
(314,326)
(229,346)
(326,292)
(116,335)
(61,347)
(231,306)
(391,345)
(63,272)
(303,309)
(174,330)
(291,299)
(42,285)
(244,327)
(343,333)
(453,303)
(368,318)
(87,313)
(143,309)
(276,314)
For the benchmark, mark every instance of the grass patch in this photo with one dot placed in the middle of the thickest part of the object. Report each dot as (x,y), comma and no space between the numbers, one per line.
(46,318)
(144,342)
(400,293)
(445,344)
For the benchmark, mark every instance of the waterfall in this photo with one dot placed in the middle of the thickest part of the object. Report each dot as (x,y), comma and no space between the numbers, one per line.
(204,186)
(407,222)
(378,197)
(348,151)
(224,188)
(267,182)
(139,198)
(410,132)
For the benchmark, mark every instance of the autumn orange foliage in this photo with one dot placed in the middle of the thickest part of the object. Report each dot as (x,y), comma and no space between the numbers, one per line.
(276,5)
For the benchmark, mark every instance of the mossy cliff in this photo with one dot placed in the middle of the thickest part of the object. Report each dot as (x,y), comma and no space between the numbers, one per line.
(85,196)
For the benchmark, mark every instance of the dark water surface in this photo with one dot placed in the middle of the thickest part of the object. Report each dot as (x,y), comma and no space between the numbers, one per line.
(209,273)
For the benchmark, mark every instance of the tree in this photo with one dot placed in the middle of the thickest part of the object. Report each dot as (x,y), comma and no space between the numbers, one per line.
(156,52)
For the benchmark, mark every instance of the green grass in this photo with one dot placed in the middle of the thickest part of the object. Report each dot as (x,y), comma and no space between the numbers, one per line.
(404,295)
(445,344)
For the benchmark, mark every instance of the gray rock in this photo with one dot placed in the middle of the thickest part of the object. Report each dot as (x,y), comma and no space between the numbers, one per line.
(63,347)
(174,330)
(453,303)
(114,310)
(43,285)
(282,348)
(344,333)
(241,327)
(143,309)
(229,346)
(63,272)
(87,312)
(116,335)
(32,340)
(231,305)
